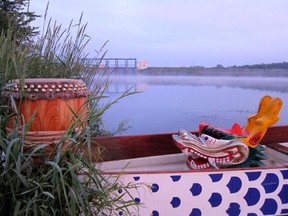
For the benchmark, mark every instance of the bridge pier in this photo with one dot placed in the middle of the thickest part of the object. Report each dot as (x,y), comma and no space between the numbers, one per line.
(116,66)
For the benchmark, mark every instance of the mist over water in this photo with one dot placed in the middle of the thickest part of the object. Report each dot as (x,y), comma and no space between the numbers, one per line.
(168,103)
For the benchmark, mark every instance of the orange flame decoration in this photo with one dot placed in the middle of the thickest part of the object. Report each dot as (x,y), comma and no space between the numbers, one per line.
(257,125)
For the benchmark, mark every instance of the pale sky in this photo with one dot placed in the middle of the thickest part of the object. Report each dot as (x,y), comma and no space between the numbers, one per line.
(180,33)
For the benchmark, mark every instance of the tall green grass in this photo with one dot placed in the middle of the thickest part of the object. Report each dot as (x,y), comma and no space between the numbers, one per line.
(67,183)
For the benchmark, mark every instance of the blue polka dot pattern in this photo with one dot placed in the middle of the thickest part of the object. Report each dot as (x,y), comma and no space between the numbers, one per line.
(222,192)
(215,199)
(136,178)
(283,194)
(175,178)
(252,196)
(270,183)
(252,214)
(285,174)
(252,176)
(234,184)
(284,211)
(137,200)
(269,207)
(175,202)
(155,213)
(234,209)
(195,212)
(216,177)
(196,189)
(155,188)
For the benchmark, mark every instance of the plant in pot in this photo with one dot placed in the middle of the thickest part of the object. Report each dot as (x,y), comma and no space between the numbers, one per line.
(40,111)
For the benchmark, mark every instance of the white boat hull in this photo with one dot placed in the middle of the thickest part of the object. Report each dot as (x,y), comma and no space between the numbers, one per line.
(249,191)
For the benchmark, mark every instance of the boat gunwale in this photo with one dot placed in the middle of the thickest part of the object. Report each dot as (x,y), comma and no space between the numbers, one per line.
(138,146)
(210,170)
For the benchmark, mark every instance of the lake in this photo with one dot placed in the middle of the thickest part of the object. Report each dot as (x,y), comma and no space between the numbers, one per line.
(168,103)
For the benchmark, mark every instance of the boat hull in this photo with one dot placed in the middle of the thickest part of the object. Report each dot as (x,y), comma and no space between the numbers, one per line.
(166,186)
(223,192)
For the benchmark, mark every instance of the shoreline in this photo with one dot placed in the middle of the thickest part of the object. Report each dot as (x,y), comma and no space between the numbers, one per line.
(238,72)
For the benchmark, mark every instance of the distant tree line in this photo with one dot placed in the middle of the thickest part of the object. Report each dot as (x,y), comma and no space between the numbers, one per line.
(15,14)
(283,65)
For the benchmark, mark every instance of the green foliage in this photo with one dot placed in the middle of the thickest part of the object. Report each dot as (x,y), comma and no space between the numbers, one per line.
(67,184)
(59,53)
(282,65)
(56,53)
(63,182)
(17,12)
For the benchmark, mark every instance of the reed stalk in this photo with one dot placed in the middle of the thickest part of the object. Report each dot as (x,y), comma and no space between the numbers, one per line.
(67,183)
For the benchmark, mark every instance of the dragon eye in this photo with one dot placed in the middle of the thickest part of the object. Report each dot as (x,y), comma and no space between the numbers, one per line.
(206,138)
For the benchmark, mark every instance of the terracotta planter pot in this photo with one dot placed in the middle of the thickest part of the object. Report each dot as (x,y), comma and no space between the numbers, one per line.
(51,104)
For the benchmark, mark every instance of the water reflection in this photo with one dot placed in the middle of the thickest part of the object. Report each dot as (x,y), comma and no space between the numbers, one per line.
(279,84)
(169,103)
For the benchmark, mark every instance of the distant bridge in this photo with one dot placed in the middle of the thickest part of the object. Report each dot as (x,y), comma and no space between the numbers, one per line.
(119,66)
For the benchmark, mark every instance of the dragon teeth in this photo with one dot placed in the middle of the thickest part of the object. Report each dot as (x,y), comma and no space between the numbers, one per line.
(212,162)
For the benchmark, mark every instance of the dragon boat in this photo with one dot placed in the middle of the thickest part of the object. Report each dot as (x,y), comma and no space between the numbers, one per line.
(237,171)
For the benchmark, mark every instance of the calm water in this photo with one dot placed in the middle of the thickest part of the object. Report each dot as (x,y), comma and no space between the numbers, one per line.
(168,103)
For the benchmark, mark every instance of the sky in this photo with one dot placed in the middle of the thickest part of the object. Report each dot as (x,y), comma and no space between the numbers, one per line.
(182,33)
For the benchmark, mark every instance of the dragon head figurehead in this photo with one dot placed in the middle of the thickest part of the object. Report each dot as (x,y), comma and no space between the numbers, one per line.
(220,148)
